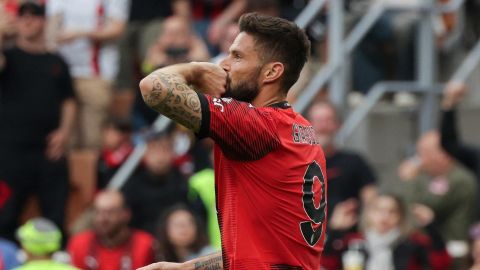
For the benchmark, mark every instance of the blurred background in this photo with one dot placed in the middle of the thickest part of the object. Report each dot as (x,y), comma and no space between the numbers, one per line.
(93,179)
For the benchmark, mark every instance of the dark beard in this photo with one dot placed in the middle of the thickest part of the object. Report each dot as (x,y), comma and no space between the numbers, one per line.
(246,90)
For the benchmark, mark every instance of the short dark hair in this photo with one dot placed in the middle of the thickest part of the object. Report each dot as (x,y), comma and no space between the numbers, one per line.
(277,39)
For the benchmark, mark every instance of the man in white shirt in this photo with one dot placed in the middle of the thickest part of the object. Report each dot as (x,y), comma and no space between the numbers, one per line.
(86,34)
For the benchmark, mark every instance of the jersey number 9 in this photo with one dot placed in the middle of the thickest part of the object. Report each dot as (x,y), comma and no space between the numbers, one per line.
(316,215)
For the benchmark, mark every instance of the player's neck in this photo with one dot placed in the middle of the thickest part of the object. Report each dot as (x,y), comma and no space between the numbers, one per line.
(267,97)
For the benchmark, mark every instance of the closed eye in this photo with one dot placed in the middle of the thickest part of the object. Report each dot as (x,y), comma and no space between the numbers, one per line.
(235,54)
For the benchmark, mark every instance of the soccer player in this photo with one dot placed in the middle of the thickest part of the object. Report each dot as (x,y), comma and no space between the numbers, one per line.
(269,168)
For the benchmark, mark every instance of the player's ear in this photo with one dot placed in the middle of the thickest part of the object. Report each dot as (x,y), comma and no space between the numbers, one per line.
(272,72)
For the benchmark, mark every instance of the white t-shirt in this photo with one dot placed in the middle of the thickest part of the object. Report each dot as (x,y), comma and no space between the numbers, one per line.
(88,59)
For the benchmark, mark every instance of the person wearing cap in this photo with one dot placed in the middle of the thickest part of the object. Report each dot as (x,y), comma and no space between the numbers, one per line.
(40,239)
(37,110)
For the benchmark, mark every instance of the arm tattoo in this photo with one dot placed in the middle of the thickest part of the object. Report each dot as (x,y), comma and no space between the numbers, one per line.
(214,263)
(172,97)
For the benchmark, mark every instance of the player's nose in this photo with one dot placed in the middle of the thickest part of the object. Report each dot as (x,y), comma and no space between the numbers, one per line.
(225,64)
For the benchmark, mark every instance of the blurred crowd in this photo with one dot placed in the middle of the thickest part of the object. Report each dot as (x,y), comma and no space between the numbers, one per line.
(71,115)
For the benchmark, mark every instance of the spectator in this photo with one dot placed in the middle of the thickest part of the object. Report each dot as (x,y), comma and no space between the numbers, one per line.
(117,146)
(177,44)
(40,239)
(449,189)
(37,110)
(111,244)
(468,156)
(156,185)
(386,241)
(181,235)
(231,32)
(8,255)
(86,39)
(349,176)
(210,18)
(86,32)
(144,25)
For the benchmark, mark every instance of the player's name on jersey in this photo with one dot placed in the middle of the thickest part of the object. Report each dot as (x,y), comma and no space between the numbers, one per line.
(304,134)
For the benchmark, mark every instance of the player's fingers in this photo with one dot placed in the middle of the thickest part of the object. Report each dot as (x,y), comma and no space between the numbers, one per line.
(351,204)
(154,266)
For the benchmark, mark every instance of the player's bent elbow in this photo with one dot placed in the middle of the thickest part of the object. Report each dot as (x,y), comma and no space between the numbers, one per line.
(145,86)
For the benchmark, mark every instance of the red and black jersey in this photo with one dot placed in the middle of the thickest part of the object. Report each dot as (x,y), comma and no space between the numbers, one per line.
(271,185)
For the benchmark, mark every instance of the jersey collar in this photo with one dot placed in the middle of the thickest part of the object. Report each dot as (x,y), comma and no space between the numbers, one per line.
(281,105)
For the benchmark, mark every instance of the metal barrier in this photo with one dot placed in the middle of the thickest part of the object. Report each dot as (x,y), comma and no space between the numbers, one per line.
(426,55)
(122,175)
(466,68)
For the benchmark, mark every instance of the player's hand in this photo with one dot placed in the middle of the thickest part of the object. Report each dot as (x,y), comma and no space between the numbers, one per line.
(344,215)
(209,79)
(423,214)
(66,37)
(454,92)
(7,23)
(164,266)
(409,169)
(56,144)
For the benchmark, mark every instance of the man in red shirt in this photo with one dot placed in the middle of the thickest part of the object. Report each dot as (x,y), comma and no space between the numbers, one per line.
(111,245)
(269,169)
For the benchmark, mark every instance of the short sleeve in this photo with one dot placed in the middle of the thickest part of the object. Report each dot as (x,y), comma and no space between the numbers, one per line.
(65,82)
(118,10)
(242,131)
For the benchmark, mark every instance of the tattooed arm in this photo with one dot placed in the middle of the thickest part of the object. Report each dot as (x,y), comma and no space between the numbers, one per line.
(210,262)
(171,90)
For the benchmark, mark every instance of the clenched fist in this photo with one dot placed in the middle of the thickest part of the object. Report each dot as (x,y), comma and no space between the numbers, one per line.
(209,78)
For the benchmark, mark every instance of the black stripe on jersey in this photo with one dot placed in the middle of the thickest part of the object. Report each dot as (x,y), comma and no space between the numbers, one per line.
(205,125)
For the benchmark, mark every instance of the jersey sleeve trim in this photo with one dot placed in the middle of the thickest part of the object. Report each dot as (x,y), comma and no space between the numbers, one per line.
(205,125)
